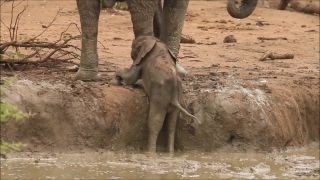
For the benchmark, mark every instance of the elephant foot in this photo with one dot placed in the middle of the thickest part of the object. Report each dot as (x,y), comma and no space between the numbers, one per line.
(181,71)
(88,75)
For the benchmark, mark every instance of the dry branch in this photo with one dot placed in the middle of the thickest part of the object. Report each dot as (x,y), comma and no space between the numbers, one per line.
(41,51)
(56,47)
(15,27)
(272,38)
(37,44)
(273,56)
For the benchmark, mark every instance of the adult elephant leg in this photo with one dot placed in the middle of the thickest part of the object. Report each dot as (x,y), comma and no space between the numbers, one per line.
(158,21)
(89,11)
(174,12)
(142,16)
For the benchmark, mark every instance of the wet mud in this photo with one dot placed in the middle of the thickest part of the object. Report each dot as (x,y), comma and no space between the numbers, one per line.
(293,163)
(254,113)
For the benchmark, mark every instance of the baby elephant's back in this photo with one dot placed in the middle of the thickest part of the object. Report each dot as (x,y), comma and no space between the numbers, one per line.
(160,67)
(159,75)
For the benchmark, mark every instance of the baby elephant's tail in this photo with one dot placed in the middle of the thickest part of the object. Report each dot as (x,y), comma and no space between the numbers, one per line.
(178,105)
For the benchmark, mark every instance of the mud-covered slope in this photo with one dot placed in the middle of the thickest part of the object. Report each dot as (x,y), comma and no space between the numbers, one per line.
(238,116)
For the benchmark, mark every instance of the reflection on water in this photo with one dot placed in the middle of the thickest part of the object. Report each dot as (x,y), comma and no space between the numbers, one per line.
(294,163)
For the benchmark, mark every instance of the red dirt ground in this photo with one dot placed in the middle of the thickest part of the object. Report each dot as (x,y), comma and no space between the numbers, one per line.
(207,22)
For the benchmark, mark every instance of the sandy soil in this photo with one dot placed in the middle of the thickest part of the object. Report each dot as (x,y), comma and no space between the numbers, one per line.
(207,22)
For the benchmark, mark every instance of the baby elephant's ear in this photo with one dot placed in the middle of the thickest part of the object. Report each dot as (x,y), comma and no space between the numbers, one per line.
(144,48)
(172,55)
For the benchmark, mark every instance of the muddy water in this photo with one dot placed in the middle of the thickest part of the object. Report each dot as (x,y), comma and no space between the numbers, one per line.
(293,163)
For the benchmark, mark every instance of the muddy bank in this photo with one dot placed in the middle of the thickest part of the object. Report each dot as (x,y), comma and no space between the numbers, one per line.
(238,116)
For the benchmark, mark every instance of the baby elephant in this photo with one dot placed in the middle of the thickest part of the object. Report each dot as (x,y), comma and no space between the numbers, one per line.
(155,65)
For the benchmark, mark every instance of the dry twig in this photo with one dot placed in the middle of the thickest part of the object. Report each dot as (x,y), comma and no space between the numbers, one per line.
(47,27)
(56,47)
(37,47)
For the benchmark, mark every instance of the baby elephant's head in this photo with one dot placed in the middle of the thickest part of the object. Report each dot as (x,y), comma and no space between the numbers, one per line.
(141,46)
